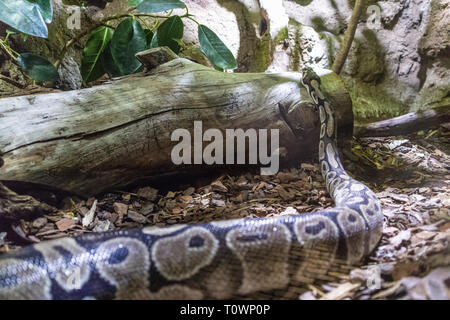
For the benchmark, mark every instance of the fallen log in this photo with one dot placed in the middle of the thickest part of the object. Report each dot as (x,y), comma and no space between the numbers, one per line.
(405,124)
(95,139)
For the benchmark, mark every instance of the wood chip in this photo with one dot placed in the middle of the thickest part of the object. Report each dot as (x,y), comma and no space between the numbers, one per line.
(39,222)
(402,237)
(218,186)
(388,292)
(89,217)
(148,193)
(341,291)
(120,208)
(137,217)
(65,224)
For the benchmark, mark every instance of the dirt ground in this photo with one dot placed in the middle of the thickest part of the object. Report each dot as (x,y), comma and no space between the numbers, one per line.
(410,175)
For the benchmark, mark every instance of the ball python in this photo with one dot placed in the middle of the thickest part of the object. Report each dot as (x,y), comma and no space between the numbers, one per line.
(216,260)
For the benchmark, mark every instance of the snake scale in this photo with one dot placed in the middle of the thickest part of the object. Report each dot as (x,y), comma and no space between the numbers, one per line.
(216,260)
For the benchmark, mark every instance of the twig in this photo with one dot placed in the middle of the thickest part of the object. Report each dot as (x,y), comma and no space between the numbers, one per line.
(13,82)
(348,38)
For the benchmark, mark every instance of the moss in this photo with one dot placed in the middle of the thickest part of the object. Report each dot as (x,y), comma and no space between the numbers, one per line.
(330,46)
(263,52)
(303,2)
(318,24)
(432,97)
(282,35)
(371,64)
(295,29)
(372,103)
(332,83)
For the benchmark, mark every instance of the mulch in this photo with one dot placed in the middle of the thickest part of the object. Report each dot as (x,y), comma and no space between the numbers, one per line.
(410,175)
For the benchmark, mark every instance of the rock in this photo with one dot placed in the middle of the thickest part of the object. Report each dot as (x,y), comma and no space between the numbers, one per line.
(137,217)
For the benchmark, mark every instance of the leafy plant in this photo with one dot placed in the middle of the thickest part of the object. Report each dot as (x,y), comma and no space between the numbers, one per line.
(93,53)
(216,51)
(107,50)
(169,31)
(37,67)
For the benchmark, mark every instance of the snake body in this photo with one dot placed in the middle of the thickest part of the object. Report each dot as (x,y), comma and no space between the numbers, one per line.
(216,260)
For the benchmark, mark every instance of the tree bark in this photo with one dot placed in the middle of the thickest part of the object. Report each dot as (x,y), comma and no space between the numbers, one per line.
(405,124)
(92,140)
(14,206)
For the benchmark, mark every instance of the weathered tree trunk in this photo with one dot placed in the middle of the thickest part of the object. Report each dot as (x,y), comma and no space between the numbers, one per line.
(405,124)
(91,140)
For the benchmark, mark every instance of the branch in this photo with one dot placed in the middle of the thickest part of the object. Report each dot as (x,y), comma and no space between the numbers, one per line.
(13,82)
(405,124)
(348,37)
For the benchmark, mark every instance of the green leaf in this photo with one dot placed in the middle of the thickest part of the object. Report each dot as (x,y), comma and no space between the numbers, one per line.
(128,39)
(154,41)
(149,6)
(38,68)
(23,16)
(171,29)
(45,7)
(134,2)
(148,37)
(108,62)
(216,51)
(91,63)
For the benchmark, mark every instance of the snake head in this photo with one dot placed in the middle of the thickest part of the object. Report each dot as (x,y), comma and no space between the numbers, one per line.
(308,75)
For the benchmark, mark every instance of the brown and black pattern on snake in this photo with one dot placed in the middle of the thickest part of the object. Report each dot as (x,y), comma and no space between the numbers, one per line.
(217,260)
